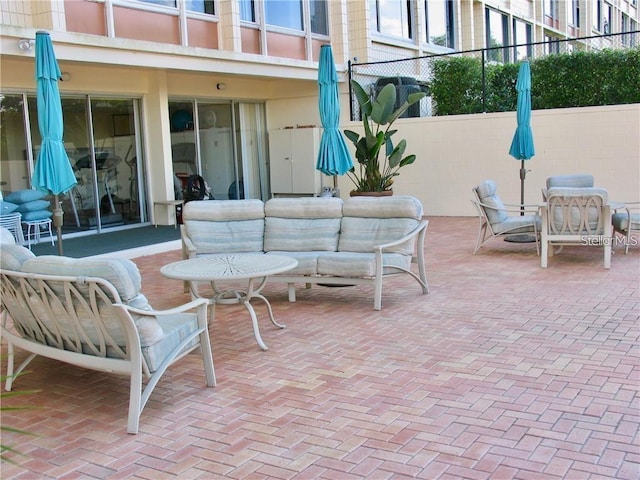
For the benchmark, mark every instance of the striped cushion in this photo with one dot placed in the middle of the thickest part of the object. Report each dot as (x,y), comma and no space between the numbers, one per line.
(307,262)
(122,273)
(225,226)
(370,221)
(302,224)
(347,264)
(12,256)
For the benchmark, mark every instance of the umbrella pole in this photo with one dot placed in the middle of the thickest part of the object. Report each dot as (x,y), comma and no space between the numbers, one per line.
(57,222)
(523,174)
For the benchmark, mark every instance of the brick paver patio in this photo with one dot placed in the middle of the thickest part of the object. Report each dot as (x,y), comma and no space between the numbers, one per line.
(505,370)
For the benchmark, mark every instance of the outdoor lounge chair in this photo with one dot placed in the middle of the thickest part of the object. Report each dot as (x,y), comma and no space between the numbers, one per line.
(576,216)
(90,313)
(627,222)
(495,219)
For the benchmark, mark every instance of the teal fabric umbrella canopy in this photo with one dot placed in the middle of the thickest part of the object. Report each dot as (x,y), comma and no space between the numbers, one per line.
(522,147)
(52,172)
(333,155)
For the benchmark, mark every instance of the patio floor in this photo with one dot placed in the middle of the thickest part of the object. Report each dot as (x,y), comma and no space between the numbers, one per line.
(505,370)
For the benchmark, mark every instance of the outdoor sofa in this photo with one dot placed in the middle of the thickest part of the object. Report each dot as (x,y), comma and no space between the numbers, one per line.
(358,241)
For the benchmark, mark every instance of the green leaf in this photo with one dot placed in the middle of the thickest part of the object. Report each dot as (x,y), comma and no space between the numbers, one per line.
(363,98)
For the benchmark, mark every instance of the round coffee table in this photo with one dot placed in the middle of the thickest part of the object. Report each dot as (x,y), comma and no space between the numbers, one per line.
(254,267)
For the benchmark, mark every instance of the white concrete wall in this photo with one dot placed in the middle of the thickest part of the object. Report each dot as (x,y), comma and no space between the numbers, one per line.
(457,152)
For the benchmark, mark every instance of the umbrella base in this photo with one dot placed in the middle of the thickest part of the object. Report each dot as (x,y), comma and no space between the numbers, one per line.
(523,238)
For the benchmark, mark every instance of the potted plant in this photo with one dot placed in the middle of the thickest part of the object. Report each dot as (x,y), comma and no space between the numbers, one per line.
(379,159)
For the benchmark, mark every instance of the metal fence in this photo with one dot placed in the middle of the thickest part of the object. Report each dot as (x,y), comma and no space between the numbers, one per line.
(412,75)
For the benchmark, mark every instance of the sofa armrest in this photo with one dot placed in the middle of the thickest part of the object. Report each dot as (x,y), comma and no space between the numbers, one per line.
(188,248)
(422,226)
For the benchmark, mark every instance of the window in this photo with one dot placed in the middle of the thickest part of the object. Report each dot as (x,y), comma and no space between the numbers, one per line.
(289,14)
(318,13)
(551,8)
(440,22)
(164,3)
(552,44)
(284,13)
(497,35)
(392,17)
(607,19)
(628,25)
(597,15)
(247,11)
(521,35)
(574,13)
(201,6)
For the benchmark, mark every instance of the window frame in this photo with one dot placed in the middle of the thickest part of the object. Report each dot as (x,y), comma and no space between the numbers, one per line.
(504,48)
(449,21)
(409,25)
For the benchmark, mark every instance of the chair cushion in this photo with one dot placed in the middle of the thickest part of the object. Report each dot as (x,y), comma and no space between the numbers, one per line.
(487,194)
(571,181)
(620,221)
(7,207)
(6,237)
(12,256)
(175,328)
(122,273)
(34,206)
(519,224)
(24,196)
(37,215)
(571,197)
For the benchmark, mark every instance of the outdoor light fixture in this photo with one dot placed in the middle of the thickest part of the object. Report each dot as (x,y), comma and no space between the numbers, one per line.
(65,76)
(221,86)
(25,44)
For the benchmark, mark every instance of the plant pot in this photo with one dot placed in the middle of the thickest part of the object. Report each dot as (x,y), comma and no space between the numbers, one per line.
(383,193)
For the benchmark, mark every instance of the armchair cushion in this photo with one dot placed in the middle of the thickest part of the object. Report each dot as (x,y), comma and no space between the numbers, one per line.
(487,194)
(12,255)
(518,224)
(123,274)
(577,222)
(582,180)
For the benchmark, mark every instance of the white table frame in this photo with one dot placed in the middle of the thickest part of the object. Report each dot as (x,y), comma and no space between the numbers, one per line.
(254,267)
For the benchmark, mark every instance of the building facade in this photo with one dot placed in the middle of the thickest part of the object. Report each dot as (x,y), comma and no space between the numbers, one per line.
(154,91)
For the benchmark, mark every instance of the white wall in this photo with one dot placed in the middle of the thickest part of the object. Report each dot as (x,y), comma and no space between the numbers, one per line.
(457,152)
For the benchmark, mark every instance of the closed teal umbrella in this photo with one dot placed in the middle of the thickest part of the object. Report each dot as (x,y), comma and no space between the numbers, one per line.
(333,157)
(522,144)
(52,172)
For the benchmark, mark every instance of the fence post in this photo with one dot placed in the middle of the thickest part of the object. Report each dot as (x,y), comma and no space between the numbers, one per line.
(484,82)
(350,92)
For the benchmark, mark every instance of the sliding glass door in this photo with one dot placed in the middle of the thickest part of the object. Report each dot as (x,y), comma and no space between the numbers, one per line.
(102,141)
(224,142)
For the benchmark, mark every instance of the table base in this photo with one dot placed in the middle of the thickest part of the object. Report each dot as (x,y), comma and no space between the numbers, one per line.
(233,296)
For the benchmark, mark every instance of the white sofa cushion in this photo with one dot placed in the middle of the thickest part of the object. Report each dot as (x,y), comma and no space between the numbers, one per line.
(302,224)
(225,226)
(356,265)
(369,221)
